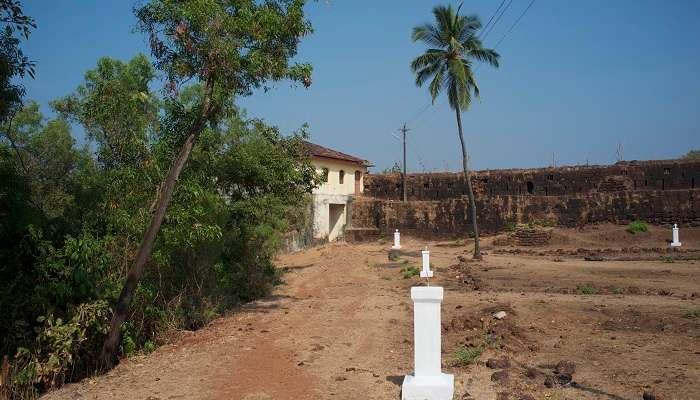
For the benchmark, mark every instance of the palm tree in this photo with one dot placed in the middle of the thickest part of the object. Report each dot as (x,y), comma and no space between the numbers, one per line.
(453,45)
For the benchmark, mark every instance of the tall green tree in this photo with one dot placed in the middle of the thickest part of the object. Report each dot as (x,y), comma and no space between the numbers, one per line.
(453,46)
(13,62)
(231,48)
(116,108)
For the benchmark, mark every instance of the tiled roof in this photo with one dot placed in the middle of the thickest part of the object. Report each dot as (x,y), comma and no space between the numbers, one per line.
(315,150)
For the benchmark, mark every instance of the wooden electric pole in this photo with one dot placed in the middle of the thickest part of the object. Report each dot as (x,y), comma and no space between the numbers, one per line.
(403,177)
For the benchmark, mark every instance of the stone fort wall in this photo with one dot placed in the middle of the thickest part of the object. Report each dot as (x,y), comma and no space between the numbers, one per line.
(660,192)
(622,176)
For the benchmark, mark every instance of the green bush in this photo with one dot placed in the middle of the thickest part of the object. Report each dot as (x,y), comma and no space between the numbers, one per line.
(72,224)
(511,227)
(637,227)
(586,290)
(410,272)
(466,356)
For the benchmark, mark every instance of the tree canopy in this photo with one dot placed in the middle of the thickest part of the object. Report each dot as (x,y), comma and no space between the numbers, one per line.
(15,25)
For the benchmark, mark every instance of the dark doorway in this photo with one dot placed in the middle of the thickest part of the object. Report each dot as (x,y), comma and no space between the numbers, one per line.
(530,187)
(358,179)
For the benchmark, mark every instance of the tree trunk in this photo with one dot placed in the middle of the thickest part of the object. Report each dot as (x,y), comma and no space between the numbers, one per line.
(163,197)
(470,191)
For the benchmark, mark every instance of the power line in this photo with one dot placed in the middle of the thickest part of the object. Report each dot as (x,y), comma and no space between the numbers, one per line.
(515,23)
(491,19)
(419,113)
(509,29)
(496,21)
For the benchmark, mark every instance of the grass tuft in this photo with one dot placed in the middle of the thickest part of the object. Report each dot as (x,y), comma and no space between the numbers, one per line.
(637,227)
(410,272)
(466,356)
(586,290)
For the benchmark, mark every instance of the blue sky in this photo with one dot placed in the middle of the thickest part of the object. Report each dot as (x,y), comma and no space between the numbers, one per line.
(576,79)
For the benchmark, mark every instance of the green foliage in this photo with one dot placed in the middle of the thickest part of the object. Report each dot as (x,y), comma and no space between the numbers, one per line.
(409,272)
(637,227)
(13,63)
(73,219)
(116,108)
(586,290)
(692,314)
(61,345)
(668,259)
(511,227)
(239,46)
(466,356)
(617,290)
(691,155)
(454,46)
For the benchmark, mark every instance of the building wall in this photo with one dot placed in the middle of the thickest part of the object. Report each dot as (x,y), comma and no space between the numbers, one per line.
(333,185)
(632,176)
(333,192)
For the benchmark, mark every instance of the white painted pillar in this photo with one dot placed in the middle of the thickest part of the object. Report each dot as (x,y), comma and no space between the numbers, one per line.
(676,237)
(397,240)
(428,382)
(426,272)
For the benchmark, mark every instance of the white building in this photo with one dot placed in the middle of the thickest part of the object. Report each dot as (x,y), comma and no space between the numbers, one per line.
(343,180)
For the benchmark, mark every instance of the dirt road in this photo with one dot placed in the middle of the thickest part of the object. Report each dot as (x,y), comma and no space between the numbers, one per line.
(341,328)
(333,330)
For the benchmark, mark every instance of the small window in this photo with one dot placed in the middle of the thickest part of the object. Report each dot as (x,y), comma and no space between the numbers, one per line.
(341,177)
(624,172)
(550,177)
(530,187)
(426,185)
(667,171)
(324,174)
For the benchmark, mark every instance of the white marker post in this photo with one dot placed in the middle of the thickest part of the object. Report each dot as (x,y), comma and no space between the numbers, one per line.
(397,241)
(427,382)
(676,240)
(426,272)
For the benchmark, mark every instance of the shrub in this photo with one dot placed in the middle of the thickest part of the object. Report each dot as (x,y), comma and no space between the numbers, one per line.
(466,356)
(410,272)
(586,290)
(692,314)
(511,227)
(637,227)
(617,290)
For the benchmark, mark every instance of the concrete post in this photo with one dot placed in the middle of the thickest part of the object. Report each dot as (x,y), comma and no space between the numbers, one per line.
(428,382)
(676,240)
(426,272)
(397,240)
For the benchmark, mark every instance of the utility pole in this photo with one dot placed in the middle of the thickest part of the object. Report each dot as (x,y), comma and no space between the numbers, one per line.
(403,177)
